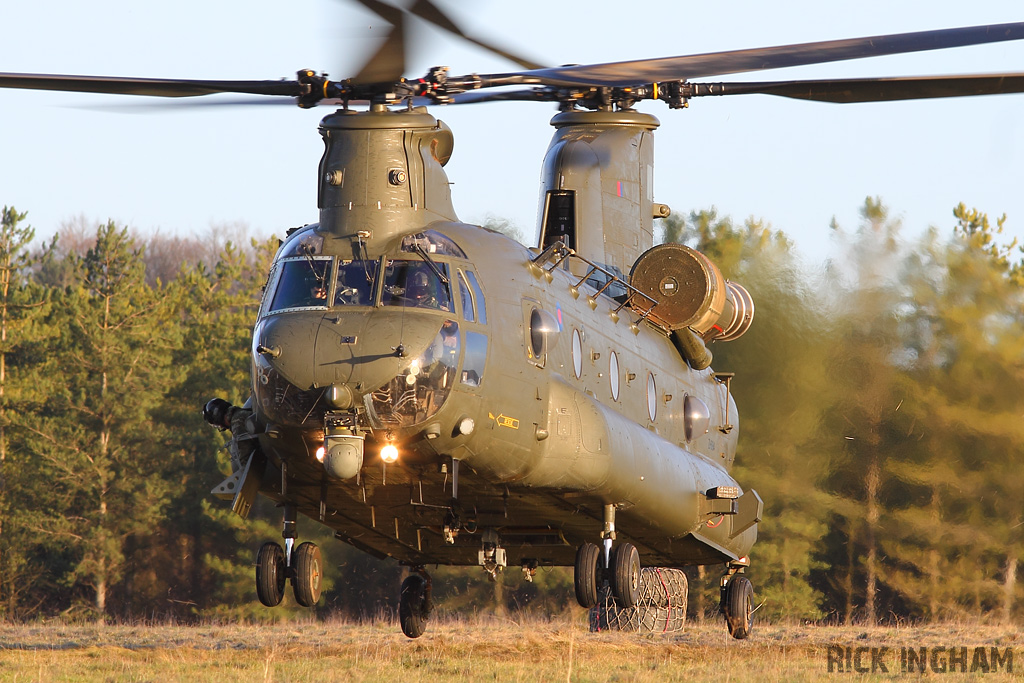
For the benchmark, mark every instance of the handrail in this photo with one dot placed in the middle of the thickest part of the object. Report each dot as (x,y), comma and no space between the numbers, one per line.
(560,252)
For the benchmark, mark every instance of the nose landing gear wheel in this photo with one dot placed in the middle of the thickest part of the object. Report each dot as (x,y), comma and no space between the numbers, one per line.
(306,581)
(739,596)
(414,606)
(626,574)
(585,574)
(270,574)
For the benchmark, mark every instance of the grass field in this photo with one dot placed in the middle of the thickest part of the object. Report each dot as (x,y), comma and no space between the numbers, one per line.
(485,649)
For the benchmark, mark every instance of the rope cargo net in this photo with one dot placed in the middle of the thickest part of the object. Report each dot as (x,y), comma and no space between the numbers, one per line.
(660,607)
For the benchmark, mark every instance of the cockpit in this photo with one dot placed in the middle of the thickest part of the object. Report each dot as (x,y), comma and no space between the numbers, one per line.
(303,279)
(432,353)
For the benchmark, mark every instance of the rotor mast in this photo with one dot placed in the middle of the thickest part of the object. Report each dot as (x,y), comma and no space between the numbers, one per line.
(382,173)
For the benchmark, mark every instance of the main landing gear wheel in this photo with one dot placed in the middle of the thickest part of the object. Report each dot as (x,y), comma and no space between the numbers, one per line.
(626,575)
(585,574)
(270,574)
(414,606)
(739,613)
(308,575)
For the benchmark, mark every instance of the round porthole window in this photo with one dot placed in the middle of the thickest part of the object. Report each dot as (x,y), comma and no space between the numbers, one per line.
(543,333)
(652,397)
(696,417)
(577,353)
(613,374)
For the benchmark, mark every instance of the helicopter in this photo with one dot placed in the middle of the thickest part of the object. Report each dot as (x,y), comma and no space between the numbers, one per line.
(437,393)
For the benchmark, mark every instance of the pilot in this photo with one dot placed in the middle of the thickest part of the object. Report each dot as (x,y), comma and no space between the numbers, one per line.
(240,421)
(419,292)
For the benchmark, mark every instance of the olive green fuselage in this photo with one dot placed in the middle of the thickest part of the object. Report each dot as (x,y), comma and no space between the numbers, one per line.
(543,430)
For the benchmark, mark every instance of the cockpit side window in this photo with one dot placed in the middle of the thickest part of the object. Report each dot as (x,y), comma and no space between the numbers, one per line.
(302,283)
(268,291)
(466,298)
(476,356)
(478,295)
(355,283)
(414,284)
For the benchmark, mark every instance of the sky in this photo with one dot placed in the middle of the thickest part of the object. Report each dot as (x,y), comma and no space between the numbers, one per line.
(795,164)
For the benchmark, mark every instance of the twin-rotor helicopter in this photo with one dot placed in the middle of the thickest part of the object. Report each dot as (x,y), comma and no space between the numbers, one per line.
(437,393)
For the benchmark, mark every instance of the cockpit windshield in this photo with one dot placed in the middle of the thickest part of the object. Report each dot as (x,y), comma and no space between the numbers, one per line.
(302,283)
(355,283)
(415,284)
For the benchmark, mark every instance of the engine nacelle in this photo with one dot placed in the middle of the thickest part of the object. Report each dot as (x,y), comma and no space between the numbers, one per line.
(692,293)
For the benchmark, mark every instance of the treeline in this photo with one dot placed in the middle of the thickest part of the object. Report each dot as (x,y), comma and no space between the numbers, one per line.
(881,402)
(106,356)
(882,417)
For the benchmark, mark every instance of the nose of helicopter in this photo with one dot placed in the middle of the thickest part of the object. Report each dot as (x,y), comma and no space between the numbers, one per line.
(305,363)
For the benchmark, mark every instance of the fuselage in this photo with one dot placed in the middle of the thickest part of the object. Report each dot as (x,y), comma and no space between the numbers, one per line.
(584,411)
(421,383)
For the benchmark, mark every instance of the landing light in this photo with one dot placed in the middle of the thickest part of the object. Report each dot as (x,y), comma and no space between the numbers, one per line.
(320,452)
(389,453)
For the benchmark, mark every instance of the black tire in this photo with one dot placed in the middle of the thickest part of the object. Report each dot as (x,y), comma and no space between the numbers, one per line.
(270,574)
(307,581)
(739,598)
(626,575)
(585,574)
(413,610)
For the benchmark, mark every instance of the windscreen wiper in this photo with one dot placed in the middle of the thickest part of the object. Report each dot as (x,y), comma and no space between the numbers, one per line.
(430,262)
(320,277)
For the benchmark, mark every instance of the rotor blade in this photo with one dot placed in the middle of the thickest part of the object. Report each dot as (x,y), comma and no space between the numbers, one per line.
(428,11)
(149,106)
(153,87)
(387,65)
(852,90)
(624,74)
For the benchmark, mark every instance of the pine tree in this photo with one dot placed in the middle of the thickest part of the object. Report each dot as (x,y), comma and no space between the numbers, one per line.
(93,435)
(861,430)
(210,550)
(22,305)
(969,349)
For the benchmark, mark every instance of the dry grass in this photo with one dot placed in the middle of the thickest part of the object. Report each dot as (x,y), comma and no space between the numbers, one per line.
(459,650)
